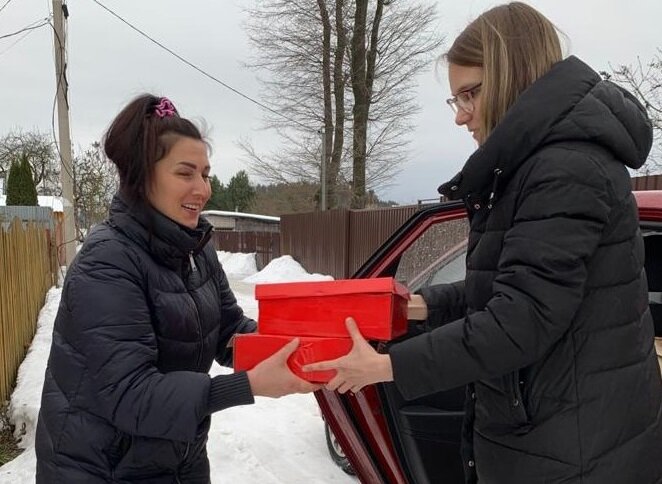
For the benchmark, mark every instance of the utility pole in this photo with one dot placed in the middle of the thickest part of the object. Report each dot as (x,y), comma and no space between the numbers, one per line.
(323,171)
(60,15)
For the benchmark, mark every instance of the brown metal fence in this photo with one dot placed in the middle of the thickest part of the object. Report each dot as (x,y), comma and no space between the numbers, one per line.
(27,269)
(318,240)
(371,228)
(650,182)
(338,242)
(266,245)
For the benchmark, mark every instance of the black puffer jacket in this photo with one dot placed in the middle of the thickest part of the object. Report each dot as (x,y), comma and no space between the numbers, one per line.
(557,336)
(145,309)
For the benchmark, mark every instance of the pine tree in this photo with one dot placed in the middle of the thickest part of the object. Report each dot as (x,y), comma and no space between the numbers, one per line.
(21,190)
(241,192)
(219,196)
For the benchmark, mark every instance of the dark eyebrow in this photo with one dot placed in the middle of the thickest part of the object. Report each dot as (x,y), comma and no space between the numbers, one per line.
(192,166)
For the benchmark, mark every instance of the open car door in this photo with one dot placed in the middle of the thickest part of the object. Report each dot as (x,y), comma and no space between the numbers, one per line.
(386,438)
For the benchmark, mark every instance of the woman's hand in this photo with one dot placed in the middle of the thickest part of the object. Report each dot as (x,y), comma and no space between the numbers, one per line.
(360,367)
(273,378)
(417,309)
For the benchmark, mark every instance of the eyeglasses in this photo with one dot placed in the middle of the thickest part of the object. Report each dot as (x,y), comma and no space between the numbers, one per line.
(464,100)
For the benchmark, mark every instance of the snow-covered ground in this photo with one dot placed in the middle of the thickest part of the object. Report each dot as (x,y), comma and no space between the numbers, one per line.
(274,441)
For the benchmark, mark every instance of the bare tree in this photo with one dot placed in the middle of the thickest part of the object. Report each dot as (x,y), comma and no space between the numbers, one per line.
(644,80)
(349,67)
(95,183)
(40,152)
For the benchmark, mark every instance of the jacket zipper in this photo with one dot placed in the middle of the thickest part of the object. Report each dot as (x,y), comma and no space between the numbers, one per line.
(197,319)
(495,185)
(194,270)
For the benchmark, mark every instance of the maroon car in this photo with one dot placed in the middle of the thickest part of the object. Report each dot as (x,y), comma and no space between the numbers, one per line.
(376,433)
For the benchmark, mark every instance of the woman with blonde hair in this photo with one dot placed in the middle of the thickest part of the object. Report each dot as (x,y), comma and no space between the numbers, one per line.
(550,330)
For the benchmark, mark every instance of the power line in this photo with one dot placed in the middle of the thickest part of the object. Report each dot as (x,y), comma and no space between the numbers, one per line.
(203,72)
(6,3)
(19,39)
(24,29)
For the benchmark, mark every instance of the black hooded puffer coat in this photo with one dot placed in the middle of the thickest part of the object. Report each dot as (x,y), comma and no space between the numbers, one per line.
(557,337)
(145,309)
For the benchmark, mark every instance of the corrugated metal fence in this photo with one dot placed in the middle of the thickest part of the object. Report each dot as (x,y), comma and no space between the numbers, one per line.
(338,242)
(266,245)
(650,182)
(317,240)
(27,268)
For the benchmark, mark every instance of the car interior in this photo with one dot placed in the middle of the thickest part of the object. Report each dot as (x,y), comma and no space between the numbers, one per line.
(653,264)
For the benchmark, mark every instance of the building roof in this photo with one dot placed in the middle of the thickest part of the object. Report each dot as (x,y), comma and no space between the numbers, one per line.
(54,203)
(240,215)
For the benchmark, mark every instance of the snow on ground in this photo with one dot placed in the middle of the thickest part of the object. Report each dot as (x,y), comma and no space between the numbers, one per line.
(274,441)
(284,269)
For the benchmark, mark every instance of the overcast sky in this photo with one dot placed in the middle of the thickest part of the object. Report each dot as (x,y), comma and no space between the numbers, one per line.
(109,64)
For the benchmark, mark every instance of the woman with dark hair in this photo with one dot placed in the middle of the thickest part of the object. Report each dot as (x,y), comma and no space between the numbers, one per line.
(145,310)
(550,329)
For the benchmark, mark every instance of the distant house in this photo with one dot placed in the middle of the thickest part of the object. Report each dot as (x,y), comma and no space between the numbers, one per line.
(49,212)
(54,203)
(247,233)
(241,222)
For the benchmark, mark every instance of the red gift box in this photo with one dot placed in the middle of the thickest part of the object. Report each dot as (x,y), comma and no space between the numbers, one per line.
(379,307)
(251,349)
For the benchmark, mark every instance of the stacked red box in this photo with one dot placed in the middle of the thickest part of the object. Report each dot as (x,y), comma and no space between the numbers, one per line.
(315,312)
(250,349)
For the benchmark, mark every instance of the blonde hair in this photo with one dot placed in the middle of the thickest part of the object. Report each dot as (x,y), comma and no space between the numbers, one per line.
(515,45)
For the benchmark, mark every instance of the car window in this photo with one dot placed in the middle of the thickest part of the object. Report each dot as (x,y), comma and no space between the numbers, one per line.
(452,270)
(437,256)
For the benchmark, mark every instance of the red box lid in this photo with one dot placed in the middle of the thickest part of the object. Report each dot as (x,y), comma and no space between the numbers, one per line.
(330,288)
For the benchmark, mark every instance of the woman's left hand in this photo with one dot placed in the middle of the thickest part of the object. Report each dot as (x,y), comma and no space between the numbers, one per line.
(360,367)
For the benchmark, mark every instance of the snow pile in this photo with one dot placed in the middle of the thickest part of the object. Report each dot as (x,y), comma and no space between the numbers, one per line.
(237,264)
(222,255)
(284,269)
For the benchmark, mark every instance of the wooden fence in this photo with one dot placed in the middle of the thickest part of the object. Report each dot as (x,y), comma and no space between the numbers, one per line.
(27,270)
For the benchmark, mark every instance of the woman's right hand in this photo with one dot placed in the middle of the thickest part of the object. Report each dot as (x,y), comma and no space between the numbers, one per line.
(273,378)
(417,309)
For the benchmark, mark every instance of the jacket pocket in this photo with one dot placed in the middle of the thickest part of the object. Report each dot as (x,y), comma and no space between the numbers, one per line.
(517,403)
(118,449)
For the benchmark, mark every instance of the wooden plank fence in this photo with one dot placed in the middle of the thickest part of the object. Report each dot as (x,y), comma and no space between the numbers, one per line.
(27,271)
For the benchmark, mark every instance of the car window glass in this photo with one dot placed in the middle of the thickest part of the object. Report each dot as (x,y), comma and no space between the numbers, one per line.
(453,270)
(437,255)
